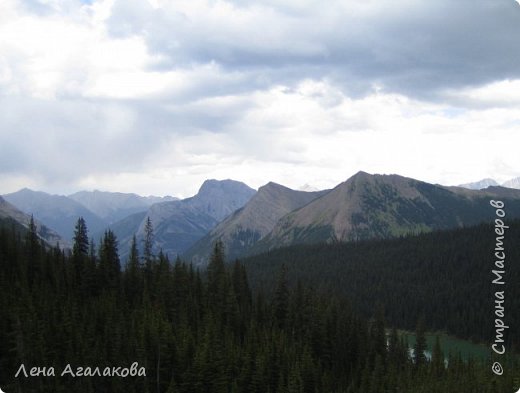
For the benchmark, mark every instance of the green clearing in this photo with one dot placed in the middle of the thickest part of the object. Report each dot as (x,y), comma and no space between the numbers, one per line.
(450,344)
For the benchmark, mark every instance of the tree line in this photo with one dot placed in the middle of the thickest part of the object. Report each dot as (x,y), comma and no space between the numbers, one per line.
(197,331)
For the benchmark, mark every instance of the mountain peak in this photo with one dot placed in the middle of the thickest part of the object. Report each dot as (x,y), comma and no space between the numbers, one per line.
(211,185)
(27,192)
(308,188)
(359,177)
(272,186)
(362,174)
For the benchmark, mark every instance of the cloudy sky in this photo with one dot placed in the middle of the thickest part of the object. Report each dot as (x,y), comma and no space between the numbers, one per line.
(154,96)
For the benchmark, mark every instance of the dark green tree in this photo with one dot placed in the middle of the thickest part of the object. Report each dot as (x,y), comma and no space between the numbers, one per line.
(109,264)
(281,299)
(133,276)
(217,280)
(81,244)
(148,241)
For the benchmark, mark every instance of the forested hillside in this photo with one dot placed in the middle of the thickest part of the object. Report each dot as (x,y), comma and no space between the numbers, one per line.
(195,333)
(443,276)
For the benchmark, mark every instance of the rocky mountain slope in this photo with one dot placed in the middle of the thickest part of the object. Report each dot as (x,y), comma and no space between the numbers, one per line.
(179,224)
(240,231)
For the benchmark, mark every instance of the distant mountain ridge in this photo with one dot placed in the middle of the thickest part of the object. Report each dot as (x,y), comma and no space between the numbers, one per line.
(11,216)
(479,185)
(115,206)
(484,183)
(61,212)
(177,223)
(55,211)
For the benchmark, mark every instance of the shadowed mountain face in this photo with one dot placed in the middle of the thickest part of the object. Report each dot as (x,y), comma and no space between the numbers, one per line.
(55,211)
(10,216)
(240,231)
(179,224)
(383,206)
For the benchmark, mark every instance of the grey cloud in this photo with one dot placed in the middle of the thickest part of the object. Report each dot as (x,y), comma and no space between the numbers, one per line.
(419,49)
(65,140)
(44,8)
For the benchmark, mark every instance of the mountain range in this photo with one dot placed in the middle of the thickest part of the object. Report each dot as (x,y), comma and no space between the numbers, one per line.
(177,223)
(99,209)
(384,206)
(365,206)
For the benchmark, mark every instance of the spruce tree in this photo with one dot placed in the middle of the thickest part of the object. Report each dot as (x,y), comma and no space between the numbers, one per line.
(217,278)
(32,244)
(148,241)
(109,263)
(133,282)
(148,256)
(80,239)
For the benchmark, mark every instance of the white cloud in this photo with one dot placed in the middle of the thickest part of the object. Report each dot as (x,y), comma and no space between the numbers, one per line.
(498,94)
(47,56)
